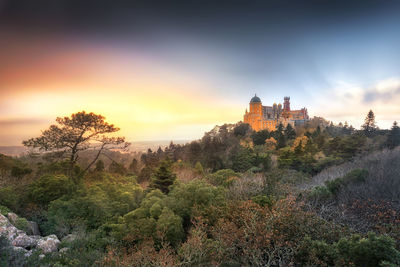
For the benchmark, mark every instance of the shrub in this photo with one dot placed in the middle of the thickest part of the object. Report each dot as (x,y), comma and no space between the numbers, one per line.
(170,227)
(370,251)
(19,172)
(333,187)
(50,187)
(264,200)
(223,177)
(22,224)
(4,210)
(8,197)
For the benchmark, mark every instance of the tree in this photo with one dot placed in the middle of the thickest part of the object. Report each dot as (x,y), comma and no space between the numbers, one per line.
(260,137)
(290,132)
(241,129)
(134,166)
(369,124)
(242,160)
(115,167)
(393,138)
(77,133)
(99,166)
(163,177)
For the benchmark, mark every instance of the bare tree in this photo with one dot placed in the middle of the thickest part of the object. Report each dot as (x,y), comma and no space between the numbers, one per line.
(81,131)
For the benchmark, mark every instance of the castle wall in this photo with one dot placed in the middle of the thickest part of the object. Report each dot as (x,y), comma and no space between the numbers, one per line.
(269,117)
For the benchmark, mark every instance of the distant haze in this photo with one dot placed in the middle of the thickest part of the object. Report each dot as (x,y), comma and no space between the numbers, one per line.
(142,146)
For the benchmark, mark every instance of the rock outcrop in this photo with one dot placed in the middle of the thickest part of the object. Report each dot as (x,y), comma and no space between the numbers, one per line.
(48,244)
(22,242)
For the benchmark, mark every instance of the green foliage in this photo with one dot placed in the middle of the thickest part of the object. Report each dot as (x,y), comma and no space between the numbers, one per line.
(74,134)
(393,138)
(264,200)
(90,208)
(117,168)
(241,130)
(199,168)
(289,132)
(369,125)
(326,162)
(297,160)
(19,172)
(14,167)
(4,210)
(198,194)
(333,187)
(22,224)
(8,197)
(345,147)
(352,177)
(145,174)
(170,226)
(87,250)
(260,137)
(223,177)
(370,251)
(134,166)
(163,177)
(99,166)
(243,160)
(8,255)
(50,187)
(321,192)
(58,167)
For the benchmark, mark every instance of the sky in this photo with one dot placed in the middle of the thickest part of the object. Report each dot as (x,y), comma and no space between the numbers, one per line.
(171,70)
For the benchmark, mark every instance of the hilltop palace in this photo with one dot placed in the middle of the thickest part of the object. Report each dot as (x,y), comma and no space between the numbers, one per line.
(269,117)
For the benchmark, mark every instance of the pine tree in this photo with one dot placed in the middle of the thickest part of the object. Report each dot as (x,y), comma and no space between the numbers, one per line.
(133,167)
(115,167)
(393,138)
(281,140)
(369,124)
(290,132)
(99,166)
(163,177)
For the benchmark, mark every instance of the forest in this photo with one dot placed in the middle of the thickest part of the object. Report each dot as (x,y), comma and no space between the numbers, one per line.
(318,194)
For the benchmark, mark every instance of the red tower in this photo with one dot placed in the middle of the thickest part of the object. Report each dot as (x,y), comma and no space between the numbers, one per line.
(286,103)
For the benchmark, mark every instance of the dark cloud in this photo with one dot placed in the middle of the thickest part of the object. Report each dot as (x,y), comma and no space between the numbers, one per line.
(232,15)
(375,95)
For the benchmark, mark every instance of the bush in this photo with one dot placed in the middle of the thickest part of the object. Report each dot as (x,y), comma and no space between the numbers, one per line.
(370,251)
(264,200)
(19,172)
(223,177)
(22,224)
(169,226)
(333,187)
(50,187)
(8,197)
(4,210)
(92,207)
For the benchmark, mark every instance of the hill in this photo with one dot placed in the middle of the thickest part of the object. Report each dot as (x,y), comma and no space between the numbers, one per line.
(318,194)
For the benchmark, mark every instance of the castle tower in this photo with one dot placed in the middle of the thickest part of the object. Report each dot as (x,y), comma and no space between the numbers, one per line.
(286,103)
(255,114)
(256,105)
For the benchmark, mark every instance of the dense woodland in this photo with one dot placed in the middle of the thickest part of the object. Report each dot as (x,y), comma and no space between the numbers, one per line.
(316,195)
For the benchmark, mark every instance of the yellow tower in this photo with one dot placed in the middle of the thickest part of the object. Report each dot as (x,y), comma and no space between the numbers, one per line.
(254,117)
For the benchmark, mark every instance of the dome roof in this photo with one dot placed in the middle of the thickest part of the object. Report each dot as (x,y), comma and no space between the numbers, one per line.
(255,99)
